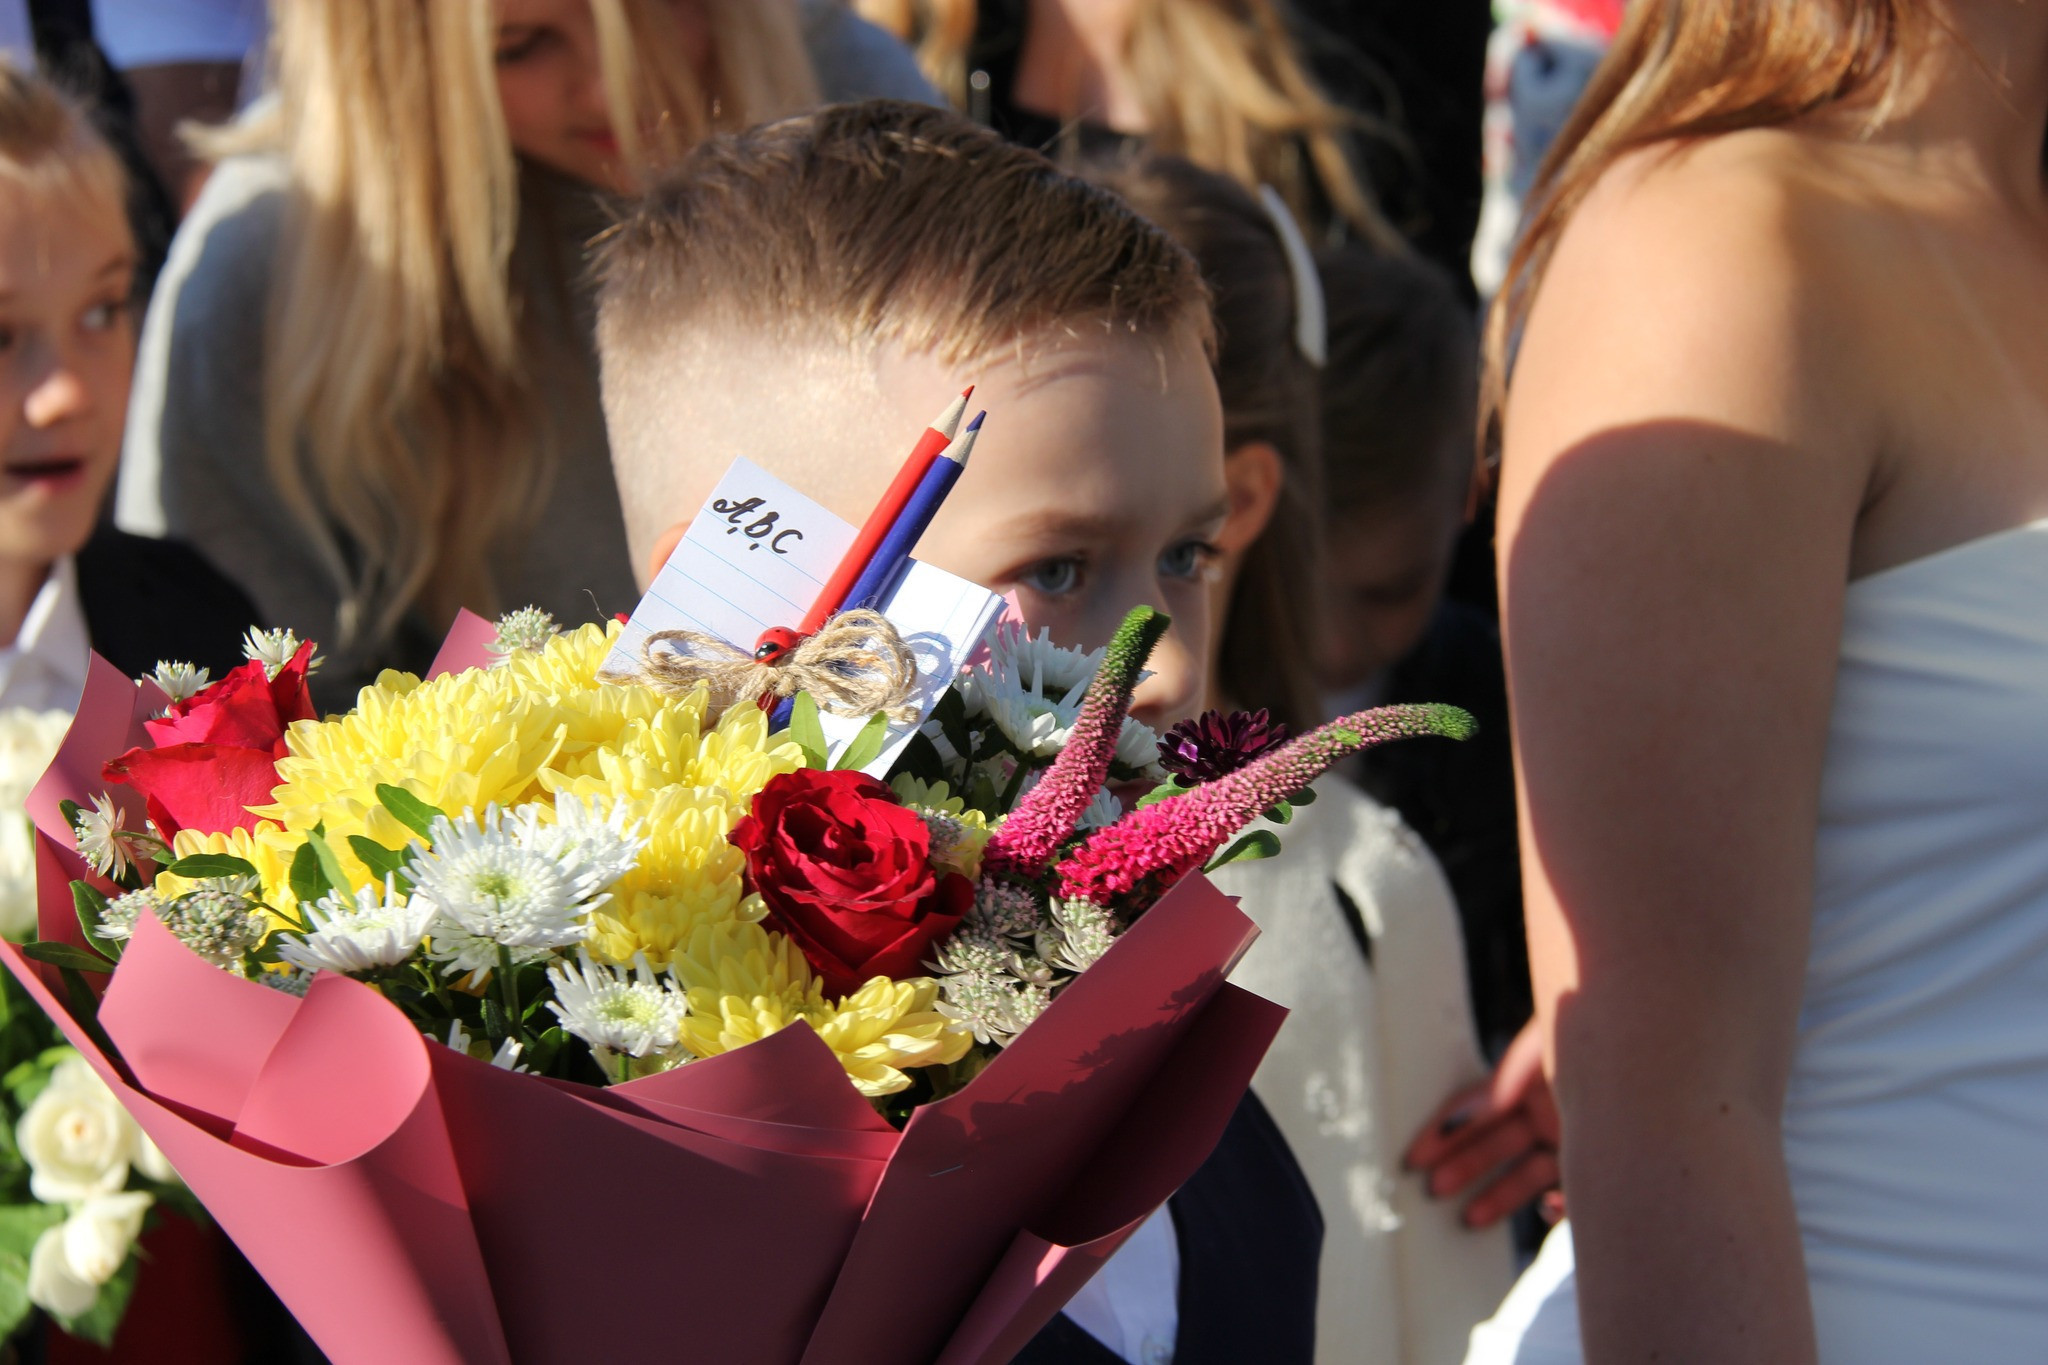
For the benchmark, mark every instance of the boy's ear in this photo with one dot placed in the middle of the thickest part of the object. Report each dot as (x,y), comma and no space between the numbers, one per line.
(1253,474)
(664,546)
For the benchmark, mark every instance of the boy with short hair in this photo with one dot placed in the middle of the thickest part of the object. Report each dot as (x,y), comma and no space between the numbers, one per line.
(806,295)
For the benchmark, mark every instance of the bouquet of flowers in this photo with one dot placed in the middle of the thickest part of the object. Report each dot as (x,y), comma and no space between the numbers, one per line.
(493,984)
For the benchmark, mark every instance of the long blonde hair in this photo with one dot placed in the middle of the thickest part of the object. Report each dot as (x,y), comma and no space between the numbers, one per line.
(1694,68)
(1221,85)
(400,423)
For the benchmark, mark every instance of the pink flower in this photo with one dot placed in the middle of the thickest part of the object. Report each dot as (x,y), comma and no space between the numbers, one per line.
(1136,860)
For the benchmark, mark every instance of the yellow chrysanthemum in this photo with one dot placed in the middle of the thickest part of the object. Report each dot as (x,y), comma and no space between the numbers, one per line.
(744,982)
(886,1026)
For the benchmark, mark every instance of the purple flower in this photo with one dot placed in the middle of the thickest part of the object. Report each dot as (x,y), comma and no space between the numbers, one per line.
(1212,744)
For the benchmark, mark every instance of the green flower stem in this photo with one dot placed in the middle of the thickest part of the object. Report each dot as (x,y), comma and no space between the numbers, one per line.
(510,989)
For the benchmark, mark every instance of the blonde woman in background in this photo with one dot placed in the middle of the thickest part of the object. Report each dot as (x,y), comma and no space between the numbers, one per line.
(1220,82)
(366,388)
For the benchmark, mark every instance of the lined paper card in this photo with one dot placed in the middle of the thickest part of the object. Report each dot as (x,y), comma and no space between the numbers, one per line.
(756,556)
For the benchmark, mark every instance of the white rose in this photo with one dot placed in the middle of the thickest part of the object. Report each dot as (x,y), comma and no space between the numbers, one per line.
(17,877)
(52,1284)
(99,1232)
(76,1137)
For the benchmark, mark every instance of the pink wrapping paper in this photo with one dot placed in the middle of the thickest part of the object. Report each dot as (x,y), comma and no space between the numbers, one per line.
(410,1203)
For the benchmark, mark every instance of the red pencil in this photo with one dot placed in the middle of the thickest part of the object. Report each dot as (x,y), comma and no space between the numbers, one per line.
(936,438)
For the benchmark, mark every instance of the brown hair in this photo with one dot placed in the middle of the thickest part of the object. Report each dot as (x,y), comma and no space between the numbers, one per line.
(1269,394)
(886,221)
(1693,68)
(1401,386)
(49,146)
(1222,84)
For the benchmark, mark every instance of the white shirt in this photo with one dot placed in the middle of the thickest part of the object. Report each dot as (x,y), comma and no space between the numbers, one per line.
(1132,1306)
(44,669)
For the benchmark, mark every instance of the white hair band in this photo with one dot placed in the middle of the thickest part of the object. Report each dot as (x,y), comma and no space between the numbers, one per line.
(1311,319)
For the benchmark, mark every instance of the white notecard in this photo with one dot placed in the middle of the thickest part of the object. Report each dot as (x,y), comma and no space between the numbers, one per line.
(756,556)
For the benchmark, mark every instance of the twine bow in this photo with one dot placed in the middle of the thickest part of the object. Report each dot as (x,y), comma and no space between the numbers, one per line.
(855,666)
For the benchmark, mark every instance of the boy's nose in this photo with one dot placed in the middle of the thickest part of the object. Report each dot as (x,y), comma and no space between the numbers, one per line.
(1179,678)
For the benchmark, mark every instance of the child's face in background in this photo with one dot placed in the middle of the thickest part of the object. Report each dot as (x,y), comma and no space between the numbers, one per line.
(1097,483)
(1098,486)
(551,84)
(1384,568)
(67,349)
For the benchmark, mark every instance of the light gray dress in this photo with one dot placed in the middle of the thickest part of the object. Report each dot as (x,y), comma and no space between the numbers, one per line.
(193,465)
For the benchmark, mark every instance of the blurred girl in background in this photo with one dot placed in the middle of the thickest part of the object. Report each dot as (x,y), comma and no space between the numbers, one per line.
(366,389)
(1359,934)
(1220,82)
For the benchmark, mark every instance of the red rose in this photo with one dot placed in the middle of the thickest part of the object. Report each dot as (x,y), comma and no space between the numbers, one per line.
(845,870)
(216,752)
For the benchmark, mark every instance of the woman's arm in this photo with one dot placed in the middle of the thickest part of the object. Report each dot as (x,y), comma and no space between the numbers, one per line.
(1683,467)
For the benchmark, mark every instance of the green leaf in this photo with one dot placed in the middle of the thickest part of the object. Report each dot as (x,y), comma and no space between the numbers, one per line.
(806,730)
(21,1224)
(1305,797)
(90,905)
(920,759)
(308,880)
(14,1304)
(64,955)
(69,810)
(415,814)
(951,714)
(382,862)
(198,866)
(1260,843)
(1279,813)
(497,1026)
(867,745)
(1159,793)
(330,865)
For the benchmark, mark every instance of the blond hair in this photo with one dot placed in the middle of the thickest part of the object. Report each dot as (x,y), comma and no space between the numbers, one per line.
(1693,68)
(1221,84)
(891,222)
(49,147)
(400,423)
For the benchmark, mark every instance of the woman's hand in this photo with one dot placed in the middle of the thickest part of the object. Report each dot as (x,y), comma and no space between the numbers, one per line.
(1498,1138)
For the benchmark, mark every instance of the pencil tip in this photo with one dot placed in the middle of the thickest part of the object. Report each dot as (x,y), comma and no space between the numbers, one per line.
(967,393)
(975,425)
(949,420)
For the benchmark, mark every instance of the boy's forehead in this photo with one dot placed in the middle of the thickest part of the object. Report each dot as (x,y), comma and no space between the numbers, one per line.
(835,420)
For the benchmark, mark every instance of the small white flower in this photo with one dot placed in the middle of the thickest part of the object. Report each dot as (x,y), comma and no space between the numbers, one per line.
(375,928)
(274,649)
(151,1161)
(28,741)
(179,681)
(506,1058)
(117,921)
(53,1285)
(295,982)
(101,841)
(516,883)
(76,1137)
(218,919)
(615,1010)
(528,628)
(100,1232)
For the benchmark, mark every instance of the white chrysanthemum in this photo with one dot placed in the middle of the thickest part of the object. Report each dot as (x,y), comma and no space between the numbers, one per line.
(179,681)
(506,1058)
(616,1010)
(528,628)
(494,891)
(101,841)
(377,927)
(274,649)
(117,921)
(1037,725)
(1137,746)
(1034,660)
(1104,810)
(607,843)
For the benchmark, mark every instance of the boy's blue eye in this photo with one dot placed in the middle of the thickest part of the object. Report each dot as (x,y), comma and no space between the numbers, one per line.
(1053,577)
(100,316)
(1187,559)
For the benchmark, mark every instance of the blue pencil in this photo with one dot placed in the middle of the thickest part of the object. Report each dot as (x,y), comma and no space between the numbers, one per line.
(891,559)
